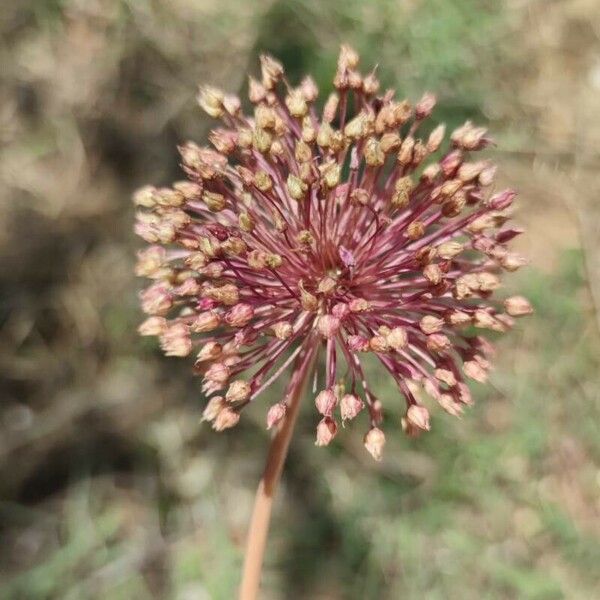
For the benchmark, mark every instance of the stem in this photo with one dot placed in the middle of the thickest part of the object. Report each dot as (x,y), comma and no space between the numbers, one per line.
(263,503)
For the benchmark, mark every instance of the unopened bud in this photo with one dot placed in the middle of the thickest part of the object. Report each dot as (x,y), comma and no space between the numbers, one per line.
(448,250)
(475,371)
(276,414)
(397,338)
(430,324)
(282,330)
(225,419)
(213,407)
(204,322)
(445,376)
(518,306)
(238,391)
(435,138)
(358,343)
(326,430)
(328,326)
(418,416)
(210,351)
(425,106)
(153,326)
(175,340)
(240,315)
(350,406)
(210,100)
(374,442)
(326,402)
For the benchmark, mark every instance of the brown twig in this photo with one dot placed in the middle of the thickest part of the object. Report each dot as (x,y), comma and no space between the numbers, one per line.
(263,504)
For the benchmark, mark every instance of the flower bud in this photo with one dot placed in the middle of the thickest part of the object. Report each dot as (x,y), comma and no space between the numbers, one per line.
(448,250)
(214,202)
(217,373)
(435,138)
(475,371)
(271,71)
(214,406)
(433,273)
(379,343)
(418,416)
(204,322)
(415,230)
(425,106)
(450,405)
(512,261)
(518,306)
(275,414)
(326,430)
(350,406)
(445,376)
(326,402)
(225,419)
(152,326)
(438,342)
(238,391)
(240,315)
(156,299)
(341,310)
(328,326)
(430,324)
(358,343)
(210,351)
(210,100)
(175,340)
(374,442)
(296,187)
(282,330)
(397,338)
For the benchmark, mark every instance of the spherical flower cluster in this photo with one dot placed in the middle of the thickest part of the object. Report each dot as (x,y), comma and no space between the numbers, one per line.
(352,231)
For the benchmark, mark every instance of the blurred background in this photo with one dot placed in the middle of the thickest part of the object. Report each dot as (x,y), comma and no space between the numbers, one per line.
(110,487)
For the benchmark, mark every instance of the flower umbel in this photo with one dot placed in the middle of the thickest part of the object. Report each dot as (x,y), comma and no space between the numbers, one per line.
(356,231)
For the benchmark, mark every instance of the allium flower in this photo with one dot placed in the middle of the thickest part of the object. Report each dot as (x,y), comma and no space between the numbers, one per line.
(353,230)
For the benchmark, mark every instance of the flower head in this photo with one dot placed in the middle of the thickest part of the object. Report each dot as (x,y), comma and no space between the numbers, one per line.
(351,232)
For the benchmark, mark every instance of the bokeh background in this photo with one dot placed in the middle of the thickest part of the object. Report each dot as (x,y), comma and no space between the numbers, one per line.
(110,486)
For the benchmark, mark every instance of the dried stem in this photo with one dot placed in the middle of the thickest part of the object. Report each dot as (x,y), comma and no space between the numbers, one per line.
(261,516)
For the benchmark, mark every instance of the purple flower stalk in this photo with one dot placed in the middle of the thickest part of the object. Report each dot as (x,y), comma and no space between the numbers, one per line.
(351,232)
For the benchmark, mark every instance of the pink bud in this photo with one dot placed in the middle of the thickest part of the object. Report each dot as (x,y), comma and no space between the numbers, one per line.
(502,200)
(175,340)
(206,304)
(325,402)
(350,406)
(358,343)
(425,106)
(152,326)
(326,430)
(340,310)
(240,315)
(374,442)
(275,414)
(347,257)
(210,351)
(328,326)
(217,373)
(156,300)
